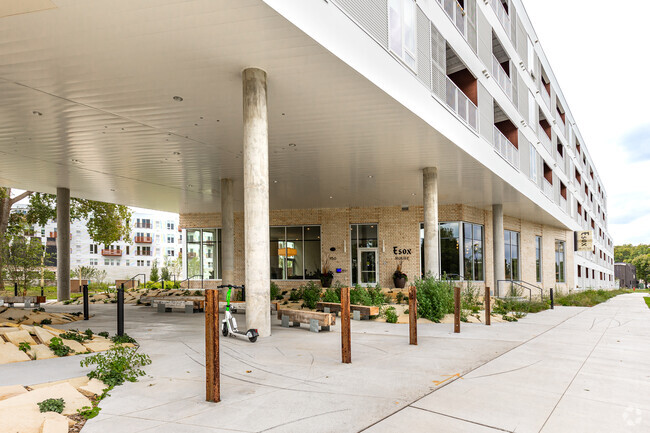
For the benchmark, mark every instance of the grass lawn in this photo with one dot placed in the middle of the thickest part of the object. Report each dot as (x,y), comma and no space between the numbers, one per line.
(49,292)
(647,301)
(588,298)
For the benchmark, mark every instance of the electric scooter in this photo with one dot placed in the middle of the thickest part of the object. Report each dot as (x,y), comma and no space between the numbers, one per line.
(229,323)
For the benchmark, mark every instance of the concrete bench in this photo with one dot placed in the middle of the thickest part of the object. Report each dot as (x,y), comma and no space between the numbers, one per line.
(314,318)
(358,311)
(189,304)
(29,301)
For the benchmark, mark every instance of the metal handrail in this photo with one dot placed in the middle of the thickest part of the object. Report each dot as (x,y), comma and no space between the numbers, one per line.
(522,284)
(137,275)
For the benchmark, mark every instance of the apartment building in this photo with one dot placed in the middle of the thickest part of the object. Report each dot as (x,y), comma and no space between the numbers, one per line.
(352,134)
(155,237)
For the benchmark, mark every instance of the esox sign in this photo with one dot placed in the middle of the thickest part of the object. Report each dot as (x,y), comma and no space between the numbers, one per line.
(583,241)
(401,252)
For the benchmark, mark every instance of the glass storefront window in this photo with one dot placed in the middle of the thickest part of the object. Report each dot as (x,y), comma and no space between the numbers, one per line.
(511,241)
(473,252)
(295,252)
(455,263)
(559,261)
(538,258)
(450,250)
(363,236)
(203,252)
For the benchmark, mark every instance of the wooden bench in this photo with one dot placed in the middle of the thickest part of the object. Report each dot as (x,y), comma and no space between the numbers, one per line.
(27,300)
(168,303)
(365,311)
(314,318)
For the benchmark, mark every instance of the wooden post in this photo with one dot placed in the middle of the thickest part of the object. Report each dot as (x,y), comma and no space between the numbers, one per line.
(488,312)
(456,310)
(212,377)
(346,343)
(413,316)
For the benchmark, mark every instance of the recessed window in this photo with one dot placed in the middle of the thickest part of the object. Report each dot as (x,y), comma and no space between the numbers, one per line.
(203,258)
(559,261)
(401,23)
(511,242)
(295,252)
(538,258)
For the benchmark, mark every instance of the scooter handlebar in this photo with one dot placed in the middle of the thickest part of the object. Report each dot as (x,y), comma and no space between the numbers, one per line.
(230,286)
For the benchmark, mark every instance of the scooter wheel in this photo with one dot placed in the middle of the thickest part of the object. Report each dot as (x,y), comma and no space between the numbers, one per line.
(252,339)
(224,329)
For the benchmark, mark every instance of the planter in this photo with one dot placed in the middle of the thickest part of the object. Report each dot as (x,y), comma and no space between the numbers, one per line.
(399,282)
(326,281)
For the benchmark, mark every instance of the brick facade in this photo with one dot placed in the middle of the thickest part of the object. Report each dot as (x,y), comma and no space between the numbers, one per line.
(401,228)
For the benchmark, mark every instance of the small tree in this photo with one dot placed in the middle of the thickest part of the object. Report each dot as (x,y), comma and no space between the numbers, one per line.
(164,274)
(22,260)
(153,276)
(174,266)
(86,273)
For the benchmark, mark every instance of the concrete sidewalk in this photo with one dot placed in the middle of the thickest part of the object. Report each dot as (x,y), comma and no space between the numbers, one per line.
(570,369)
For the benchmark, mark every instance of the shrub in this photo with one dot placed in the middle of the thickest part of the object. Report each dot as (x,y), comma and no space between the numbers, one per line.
(360,296)
(295,295)
(74,336)
(52,405)
(103,334)
(46,322)
(310,295)
(117,365)
(119,339)
(391,315)
(198,293)
(435,298)
(275,292)
(24,346)
(469,297)
(399,297)
(377,296)
(587,298)
(89,333)
(332,295)
(59,349)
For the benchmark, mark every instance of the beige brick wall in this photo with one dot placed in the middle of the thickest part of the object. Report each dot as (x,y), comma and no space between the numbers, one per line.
(401,229)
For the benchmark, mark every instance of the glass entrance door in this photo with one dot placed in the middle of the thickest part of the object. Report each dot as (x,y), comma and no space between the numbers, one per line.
(367,266)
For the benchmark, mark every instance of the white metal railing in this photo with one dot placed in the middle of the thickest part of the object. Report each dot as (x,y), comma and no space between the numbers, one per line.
(563,204)
(543,138)
(502,78)
(545,96)
(506,149)
(502,15)
(457,15)
(561,161)
(560,123)
(547,188)
(461,104)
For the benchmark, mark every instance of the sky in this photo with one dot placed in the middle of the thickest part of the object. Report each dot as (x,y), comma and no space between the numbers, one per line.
(598,51)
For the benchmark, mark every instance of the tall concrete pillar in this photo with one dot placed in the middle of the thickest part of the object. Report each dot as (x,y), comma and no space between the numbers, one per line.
(498,243)
(431,245)
(256,202)
(62,244)
(227,233)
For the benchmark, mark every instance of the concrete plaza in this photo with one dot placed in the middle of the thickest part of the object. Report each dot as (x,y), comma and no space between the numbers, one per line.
(569,369)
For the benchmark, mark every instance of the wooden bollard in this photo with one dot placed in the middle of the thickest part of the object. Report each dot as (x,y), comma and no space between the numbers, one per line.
(346,349)
(413,316)
(212,377)
(488,313)
(456,310)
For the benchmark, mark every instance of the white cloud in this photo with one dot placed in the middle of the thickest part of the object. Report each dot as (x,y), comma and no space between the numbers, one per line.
(596,51)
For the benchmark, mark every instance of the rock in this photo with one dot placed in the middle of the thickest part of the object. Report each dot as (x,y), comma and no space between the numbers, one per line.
(74,345)
(54,423)
(95,386)
(53,330)
(43,334)
(41,351)
(27,328)
(10,391)
(20,336)
(73,399)
(98,346)
(76,382)
(10,353)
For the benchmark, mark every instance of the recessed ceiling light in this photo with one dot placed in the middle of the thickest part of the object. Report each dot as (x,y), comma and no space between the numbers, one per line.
(196,124)
(370,176)
(112,190)
(201,117)
(189,185)
(283,114)
(177,99)
(275,181)
(176,153)
(331,197)
(412,193)
(75,161)
(37,113)
(292,144)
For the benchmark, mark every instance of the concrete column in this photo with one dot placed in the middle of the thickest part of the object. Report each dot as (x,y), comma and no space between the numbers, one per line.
(227,233)
(498,245)
(431,243)
(62,244)
(256,202)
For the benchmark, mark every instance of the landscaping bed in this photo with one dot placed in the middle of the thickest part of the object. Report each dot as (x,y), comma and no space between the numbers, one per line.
(34,316)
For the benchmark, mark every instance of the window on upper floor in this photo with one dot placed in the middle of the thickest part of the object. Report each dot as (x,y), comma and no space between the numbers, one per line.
(548,173)
(401,24)
(578,147)
(545,126)
(560,149)
(461,89)
(578,177)
(563,190)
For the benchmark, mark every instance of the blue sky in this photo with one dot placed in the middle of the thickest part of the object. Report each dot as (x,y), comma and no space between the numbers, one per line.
(598,52)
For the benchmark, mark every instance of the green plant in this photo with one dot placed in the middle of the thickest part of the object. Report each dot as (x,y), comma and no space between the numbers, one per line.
(295,295)
(435,298)
(88,412)
(198,293)
(38,310)
(103,334)
(117,365)
(399,274)
(186,292)
(24,346)
(399,297)
(310,295)
(52,405)
(153,274)
(391,315)
(75,336)
(332,295)
(647,300)
(119,339)
(275,292)
(46,322)
(406,311)
(68,301)
(377,296)
(59,349)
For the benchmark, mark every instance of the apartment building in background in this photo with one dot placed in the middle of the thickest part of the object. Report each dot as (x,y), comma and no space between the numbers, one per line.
(155,236)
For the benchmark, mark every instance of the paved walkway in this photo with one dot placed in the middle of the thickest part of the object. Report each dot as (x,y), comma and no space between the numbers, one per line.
(566,370)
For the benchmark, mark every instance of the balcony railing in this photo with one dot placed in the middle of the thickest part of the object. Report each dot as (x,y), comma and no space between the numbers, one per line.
(502,15)
(502,78)
(547,188)
(545,96)
(143,253)
(561,161)
(506,149)
(543,138)
(560,123)
(143,225)
(457,101)
(563,204)
(456,14)
(112,253)
(143,239)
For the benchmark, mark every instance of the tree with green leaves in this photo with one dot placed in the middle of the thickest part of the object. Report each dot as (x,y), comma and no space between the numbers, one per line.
(164,274)
(174,266)
(86,273)
(106,223)
(153,275)
(642,264)
(22,259)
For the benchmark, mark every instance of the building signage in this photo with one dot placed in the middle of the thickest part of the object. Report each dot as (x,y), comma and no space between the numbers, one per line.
(402,253)
(584,241)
